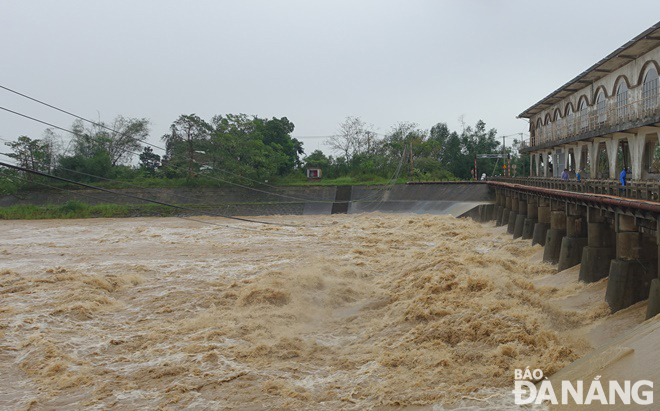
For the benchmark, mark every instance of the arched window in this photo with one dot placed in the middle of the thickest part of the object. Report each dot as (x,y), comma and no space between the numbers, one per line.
(650,89)
(557,124)
(539,130)
(548,127)
(622,109)
(583,113)
(601,107)
(569,115)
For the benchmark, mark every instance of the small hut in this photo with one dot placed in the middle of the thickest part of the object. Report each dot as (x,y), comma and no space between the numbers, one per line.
(313,173)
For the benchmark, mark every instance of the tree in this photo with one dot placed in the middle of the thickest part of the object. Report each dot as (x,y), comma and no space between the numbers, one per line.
(121,139)
(317,159)
(276,133)
(409,138)
(437,140)
(31,154)
(190,130)
(458,151)
(354,137)
(149,161)
(522,162)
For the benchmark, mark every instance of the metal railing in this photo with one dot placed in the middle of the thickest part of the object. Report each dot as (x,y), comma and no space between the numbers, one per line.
(640,190)
(605,114)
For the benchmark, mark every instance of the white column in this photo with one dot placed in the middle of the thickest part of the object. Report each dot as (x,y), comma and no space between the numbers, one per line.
(538,164)
(636,144)
(578,157)
(593,157)
(612,145)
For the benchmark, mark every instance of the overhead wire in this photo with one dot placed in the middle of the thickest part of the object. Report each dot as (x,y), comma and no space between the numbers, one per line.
(227,205)
(179,167)
(104,178)
(70,114)
(161,148)
(175,167)
(99,124)
(134,153)
(392,182)
(133,196)
(103,200)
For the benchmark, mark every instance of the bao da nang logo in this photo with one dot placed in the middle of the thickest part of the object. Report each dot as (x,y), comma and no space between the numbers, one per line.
(579,392)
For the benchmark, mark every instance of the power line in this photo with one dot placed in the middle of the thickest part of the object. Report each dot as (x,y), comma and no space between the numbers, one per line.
(134,153)
(17,167)
(118,181)
(176,216)
(69,113)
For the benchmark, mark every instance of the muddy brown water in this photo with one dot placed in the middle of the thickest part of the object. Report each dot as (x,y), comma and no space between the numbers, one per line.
(354,312)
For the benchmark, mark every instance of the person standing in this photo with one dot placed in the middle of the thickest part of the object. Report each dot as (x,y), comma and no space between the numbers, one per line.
(564,175)
(622,180)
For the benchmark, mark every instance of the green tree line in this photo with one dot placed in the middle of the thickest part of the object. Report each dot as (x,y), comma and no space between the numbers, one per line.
(249,149)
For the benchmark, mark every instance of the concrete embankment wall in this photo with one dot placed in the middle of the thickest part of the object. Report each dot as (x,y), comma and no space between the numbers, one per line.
(444,198)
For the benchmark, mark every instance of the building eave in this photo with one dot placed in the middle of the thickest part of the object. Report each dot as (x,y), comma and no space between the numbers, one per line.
(641,44)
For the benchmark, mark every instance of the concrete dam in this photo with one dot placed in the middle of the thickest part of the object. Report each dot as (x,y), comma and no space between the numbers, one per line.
(454,198)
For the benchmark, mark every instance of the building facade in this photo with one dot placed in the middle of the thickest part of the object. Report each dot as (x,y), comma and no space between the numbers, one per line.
(603,120)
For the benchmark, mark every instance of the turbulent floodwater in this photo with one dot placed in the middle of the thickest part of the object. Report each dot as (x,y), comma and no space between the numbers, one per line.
(347,312)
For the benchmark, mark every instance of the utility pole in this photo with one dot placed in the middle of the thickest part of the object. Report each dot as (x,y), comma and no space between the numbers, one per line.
(504,162)
(412,166)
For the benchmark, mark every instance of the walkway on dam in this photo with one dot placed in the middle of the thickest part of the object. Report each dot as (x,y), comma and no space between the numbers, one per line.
(610,230)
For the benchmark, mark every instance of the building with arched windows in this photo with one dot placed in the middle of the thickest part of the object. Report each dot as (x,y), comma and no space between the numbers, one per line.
(606,118)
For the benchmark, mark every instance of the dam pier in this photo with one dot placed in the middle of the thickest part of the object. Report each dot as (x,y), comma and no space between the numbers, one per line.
(609,236)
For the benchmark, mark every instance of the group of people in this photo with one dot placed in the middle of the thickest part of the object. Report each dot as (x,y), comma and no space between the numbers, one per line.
(622,175)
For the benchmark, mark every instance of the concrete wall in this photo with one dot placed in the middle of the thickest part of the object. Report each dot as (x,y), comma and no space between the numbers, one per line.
(448,198)
(179,195)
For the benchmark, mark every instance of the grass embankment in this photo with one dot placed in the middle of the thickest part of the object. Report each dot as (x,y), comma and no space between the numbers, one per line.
(77,209)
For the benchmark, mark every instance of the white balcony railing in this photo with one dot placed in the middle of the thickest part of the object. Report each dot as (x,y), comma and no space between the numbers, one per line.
(606,114)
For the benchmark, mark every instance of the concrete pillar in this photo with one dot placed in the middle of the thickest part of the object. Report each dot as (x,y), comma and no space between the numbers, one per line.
(555,234)
(500,201)
(513,213)
(570,253)
(600,250)
(520,218)
(636,144)
(612,146)
(541,228)
(504,220)
(546,159)
(531,218)
(498,214)
(593,158)
(653,307)
(538,164)
(633,269)
(577,151)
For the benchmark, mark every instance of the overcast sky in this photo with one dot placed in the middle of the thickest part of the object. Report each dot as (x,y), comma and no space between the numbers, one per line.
(315,62)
